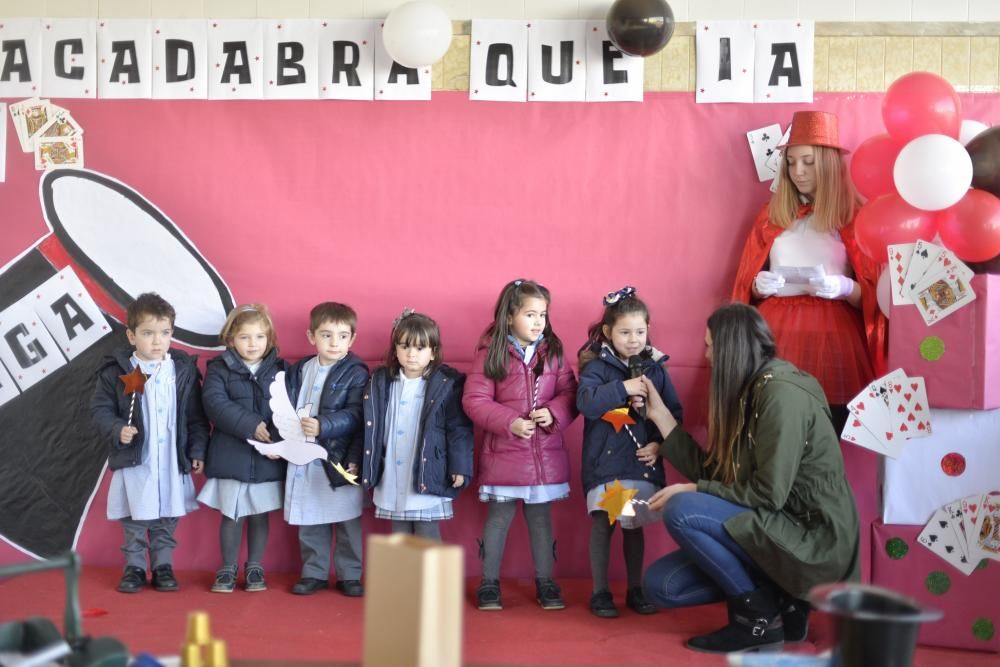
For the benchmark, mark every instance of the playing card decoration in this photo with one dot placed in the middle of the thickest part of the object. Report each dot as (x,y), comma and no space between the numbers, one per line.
(965,531)
(889,411)
(134,383)
(615,499)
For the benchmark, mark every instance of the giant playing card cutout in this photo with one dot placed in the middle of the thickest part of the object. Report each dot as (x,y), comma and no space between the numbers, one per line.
(62,309)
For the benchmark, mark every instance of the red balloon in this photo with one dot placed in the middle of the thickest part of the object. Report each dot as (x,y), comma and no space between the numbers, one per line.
(921,103)
(971,228)
(887,220)
(872,163)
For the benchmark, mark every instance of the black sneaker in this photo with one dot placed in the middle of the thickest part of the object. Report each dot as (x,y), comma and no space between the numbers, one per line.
(603,604)
(352,588)
(225,580)
(488,595)
(637,602)
(795,618)
(133,580)
(548,595)
(254,575)
(308,586)
(164,580)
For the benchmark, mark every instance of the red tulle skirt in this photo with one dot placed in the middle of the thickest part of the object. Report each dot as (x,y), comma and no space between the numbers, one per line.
(825,339)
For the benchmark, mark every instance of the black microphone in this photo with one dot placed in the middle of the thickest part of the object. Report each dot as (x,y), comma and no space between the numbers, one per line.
(635,371)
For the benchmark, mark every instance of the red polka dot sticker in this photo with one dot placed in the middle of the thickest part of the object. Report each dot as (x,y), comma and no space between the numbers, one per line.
(953,464)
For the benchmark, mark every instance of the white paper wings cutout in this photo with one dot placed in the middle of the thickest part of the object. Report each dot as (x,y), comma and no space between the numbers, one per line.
(295,447)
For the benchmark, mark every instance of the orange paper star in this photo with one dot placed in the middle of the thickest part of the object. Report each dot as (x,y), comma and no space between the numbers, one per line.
(615,498)
(134,381)
(618,417)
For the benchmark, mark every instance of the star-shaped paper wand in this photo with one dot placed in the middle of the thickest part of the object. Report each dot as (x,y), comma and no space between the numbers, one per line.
(614,499)
(618,418)
(135,382)
(350,477)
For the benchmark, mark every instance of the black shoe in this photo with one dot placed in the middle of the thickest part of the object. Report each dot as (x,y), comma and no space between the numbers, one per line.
(754,625)
(254,575)
(548,595)
(636,600)
(133,580)
(164,580)
(352,588)
(308,586)
(488,595)
(225,580)
(795,618)
(603,604)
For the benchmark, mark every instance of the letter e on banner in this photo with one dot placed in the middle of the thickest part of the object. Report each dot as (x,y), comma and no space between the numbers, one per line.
(347,59)
(20,57)
(557,61)
(26,348)
(784,61)
(69,58)
(725,61)
(498,62)
(612,76)
(235,60)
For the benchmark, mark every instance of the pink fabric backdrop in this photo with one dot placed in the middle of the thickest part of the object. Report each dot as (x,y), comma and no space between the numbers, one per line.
(434,206)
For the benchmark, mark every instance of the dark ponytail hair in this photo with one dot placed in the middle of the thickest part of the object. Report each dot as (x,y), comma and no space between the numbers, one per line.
(511,298)
(616,305)
(742,344)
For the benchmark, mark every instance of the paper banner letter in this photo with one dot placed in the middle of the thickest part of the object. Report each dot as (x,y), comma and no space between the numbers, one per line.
(557,61)
(784,57)
(347,59)
(20,57)
(498,65)
(69,66)
(69,313)
(124,48)
(235,60)
(612,76)
(179,57)
(26,348)
(397,82)
(291,59)
(725,61)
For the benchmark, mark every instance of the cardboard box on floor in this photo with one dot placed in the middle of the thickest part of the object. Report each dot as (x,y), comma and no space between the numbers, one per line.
(413,588)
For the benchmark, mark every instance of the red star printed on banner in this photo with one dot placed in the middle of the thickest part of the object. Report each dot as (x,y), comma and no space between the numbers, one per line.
(134,381)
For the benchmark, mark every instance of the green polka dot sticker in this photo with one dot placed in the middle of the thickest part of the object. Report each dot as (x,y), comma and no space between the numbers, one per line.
(937,583)
(896,548)
(983,629)
(982,564)
(932,348)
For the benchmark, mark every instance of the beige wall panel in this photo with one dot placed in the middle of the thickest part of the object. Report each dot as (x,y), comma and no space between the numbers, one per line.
(124,9)
(843,63)
(821,64)
(955,59)
(927,54)
(55,9)
(898,58)
(984,63)
(231,9)
(871,64)
(676,64)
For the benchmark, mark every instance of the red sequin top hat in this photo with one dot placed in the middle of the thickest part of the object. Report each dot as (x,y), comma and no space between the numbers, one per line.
(814,128)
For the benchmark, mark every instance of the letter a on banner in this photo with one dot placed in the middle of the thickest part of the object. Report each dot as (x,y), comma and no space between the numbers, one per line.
(397,82)
(498,65)
(290,61)
(612,76)
(20,57)
(235,59)
(784,61)
(69,57)
(347,58)
(725,61)
(557,61)
(124,52)
(179,52)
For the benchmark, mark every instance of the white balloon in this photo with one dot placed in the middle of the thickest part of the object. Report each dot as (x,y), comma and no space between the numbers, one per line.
(882,292)
(932,172)
(970,128)
(417,34)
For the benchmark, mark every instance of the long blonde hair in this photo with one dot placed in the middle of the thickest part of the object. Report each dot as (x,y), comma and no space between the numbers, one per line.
(834,203)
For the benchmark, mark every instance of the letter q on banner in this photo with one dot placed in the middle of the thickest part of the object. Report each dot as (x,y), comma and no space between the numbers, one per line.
(498,65)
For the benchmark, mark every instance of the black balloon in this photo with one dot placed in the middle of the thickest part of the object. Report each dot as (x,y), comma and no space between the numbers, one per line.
(985,153)
(640,27)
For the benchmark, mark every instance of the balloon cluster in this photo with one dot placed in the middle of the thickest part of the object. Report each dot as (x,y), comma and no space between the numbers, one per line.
(917,177)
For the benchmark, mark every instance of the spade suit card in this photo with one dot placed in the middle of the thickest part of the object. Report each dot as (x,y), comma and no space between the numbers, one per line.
(939,536)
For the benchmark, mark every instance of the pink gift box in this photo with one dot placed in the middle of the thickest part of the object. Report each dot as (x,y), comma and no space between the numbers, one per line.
(962,366)
(971,604)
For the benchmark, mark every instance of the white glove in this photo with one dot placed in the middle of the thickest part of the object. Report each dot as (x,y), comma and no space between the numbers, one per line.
(831,287)
(767,284)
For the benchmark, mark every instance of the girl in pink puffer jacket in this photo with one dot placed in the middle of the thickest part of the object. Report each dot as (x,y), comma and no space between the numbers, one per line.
(522,395)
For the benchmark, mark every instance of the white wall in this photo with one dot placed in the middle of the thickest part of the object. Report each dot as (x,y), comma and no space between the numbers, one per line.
(684,10)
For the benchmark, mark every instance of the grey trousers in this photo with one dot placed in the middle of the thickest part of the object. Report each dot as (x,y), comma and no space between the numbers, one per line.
(314,545)
(428,529)
(160,544)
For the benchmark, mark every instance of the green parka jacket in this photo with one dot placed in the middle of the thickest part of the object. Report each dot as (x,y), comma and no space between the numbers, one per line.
(802,529)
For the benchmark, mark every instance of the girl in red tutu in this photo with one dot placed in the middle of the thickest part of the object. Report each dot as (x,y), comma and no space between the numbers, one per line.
(828,325)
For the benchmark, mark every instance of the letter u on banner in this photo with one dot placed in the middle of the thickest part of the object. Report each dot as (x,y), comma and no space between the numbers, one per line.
(557,61)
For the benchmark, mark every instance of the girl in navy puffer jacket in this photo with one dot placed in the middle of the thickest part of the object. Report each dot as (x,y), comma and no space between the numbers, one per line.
(418,442)
(522,394)
(619,445)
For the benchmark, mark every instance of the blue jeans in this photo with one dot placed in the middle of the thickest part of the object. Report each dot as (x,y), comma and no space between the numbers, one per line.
(709,566)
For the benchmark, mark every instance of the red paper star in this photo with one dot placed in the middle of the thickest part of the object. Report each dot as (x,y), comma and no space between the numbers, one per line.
(134,381)
(618,417)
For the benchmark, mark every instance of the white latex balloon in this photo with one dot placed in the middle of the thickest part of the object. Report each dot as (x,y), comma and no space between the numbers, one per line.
(932,172)
(417,34)
(970,128)
(883,294)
